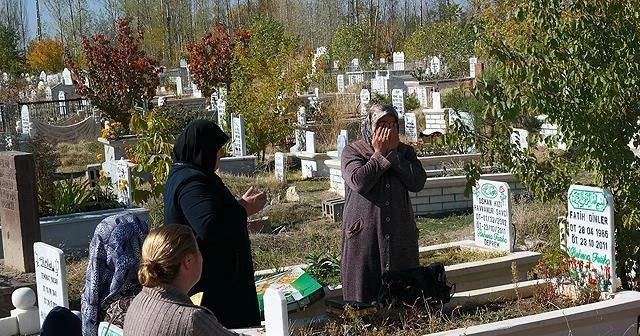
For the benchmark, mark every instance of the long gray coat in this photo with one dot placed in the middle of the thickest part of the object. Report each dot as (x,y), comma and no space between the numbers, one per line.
(379,232)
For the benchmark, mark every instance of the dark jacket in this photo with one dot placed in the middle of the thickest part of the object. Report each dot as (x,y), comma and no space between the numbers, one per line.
(201,200)
(379,232)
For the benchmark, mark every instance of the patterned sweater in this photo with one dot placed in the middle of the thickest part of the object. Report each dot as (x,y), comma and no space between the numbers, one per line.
(165,311)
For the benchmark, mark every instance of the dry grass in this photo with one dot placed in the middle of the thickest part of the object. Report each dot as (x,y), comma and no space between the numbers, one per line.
(76,277)
(458,255)
(76,156)
(537,224)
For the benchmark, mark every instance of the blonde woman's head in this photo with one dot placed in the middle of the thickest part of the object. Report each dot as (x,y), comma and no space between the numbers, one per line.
(170,255)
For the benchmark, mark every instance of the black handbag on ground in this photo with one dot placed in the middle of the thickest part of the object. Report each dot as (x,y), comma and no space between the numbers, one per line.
(409,285)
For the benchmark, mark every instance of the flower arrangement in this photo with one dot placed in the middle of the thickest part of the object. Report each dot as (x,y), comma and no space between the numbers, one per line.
(112,130)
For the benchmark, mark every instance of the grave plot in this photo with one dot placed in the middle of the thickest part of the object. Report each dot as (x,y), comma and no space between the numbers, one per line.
(240,163)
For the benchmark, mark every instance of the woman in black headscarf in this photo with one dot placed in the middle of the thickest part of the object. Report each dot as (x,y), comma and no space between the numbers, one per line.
(196,196)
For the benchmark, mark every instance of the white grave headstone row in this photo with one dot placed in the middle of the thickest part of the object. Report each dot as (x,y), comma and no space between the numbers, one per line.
(492,215)
(591,234)
(51,278)
(238,135)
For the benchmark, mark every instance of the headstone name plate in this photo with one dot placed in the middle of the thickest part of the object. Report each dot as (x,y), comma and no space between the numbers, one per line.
(591,233)
(411,127)
(51,278)
(492,215)
(340,80)
(279,166)
(397,99)
(421,94)
(18,209)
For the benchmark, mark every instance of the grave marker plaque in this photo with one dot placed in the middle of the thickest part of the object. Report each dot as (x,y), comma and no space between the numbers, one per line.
(340,80)
(51,278)
(279,166)
(472,66)
(62,104)
(222,106)
(25,123)
(398,61)
(179,86)
(411,127)
(66,77)
(18,209)
(492,215)
(397,100)
(434,65)
(591,232)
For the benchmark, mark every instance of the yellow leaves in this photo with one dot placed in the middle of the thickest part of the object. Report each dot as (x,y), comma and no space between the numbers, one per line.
(46,55)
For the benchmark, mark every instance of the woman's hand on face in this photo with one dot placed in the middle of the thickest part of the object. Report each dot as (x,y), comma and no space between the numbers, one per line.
(379,140)
(253,201)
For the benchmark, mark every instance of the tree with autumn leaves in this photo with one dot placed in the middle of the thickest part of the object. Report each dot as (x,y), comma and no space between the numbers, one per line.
(46,55)
(118,75)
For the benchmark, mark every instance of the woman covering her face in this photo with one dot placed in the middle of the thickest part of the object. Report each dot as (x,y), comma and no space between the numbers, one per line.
(379,232)
(195,196)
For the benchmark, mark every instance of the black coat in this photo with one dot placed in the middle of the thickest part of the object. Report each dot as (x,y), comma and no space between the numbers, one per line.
(202,201)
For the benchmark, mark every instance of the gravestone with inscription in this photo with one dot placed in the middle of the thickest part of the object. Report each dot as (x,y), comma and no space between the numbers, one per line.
(365,97)
(411,127)
(279,166)
(492,215)
(435,65)
(472,66)
(25,122)
(435,96)
(51,278)
(62,104)
(398,61)
(340,80)
(47,93)
(397,100)
(238,135)
(179,86)
(222,107)
(66,77)
(591,234)
(18,209)
(310,142)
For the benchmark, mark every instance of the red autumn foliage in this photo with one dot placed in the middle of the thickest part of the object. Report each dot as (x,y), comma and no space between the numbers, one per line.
(211,59)
(120,73)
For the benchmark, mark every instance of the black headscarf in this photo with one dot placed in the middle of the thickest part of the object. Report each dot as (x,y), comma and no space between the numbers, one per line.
(199,144)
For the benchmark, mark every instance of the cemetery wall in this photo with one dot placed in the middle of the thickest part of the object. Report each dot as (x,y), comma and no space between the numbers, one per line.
(446,194)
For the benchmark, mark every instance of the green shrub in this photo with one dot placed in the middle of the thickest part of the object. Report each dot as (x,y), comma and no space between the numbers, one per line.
(73,196)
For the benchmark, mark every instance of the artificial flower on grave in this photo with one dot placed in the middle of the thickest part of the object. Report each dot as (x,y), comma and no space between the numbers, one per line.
(112,130)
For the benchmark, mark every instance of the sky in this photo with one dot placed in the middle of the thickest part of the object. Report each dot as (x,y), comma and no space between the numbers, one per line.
(48,28)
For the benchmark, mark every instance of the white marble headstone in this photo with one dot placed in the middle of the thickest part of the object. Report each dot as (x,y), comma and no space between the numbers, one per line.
(492,215)
(238,135)
(411,127)
(355,63)
(340,80)
(435,96)
(43,76)
(365,97)
(62,104)
(179,86)
(47,93)
(221,106)
(472,66)
(397,100)
(51,278)
(66,77)
(591,236)
(343,141)
(25,122)
(398,61)
(310,142)
(435,65)
(195,91)
(302,116)
(279,166)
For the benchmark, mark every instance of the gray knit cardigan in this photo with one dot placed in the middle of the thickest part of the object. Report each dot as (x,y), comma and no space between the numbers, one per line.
(165,311)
